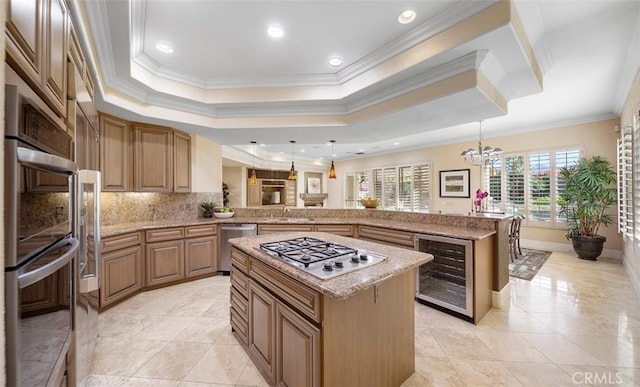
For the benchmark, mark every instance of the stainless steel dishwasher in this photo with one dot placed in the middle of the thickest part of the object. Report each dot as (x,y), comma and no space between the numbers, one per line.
(232,231)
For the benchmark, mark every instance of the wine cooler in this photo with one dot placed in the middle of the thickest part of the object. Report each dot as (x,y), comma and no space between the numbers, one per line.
(446,282)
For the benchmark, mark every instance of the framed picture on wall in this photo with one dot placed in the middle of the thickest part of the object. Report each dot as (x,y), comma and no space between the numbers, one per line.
(455,183)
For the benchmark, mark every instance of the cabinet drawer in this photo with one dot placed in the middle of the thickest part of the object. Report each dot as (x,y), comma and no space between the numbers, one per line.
(204,230)
(239,281)
(240,327)
(165,234)
(273,228)
(338,229)
(120,241)
(387,236)
(240,260)
(239,303)
(304,299)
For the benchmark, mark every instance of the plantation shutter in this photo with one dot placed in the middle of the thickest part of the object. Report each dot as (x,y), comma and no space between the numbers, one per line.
(625,181)
(421,187)
(390,189)
(493,184)
(539,173)
(405,188)
(564,159)
(376,184)
(514,185)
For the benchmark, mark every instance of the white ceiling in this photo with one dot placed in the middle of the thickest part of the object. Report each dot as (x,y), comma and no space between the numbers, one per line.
(400,86)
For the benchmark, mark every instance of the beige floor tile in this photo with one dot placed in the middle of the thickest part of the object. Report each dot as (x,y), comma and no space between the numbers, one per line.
(539,374)
(221,364)
(174,361)
(193,384)
(146,382)
(597,376)
(117,356)
(462,345)
(426,317)
(615,351)
(507,346)
(512,321)
(560,350)
(415,380)
(484,373)
(426,345)
(105,380)
(203,330)
(156,327)
(250,376)
(438,372)
(631,373)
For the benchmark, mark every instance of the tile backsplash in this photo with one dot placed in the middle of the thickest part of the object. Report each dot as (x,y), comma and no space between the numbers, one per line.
(125,207)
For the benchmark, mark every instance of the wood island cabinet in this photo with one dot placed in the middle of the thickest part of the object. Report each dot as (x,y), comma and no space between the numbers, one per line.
(387,236)
(121,267)
(299,337)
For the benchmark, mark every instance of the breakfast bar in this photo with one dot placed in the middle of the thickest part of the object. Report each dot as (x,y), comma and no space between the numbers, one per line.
(345,318)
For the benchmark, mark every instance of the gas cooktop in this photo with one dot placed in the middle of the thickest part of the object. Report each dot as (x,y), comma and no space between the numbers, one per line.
(320,258)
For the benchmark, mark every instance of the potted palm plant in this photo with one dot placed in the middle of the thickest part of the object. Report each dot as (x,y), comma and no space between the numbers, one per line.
(207,209)
(586,202)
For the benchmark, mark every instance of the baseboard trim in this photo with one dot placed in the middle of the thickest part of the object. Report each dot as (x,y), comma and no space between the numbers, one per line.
(501,299)
(564,247)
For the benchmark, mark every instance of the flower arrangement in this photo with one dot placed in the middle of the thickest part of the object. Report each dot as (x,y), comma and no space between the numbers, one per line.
(477,202)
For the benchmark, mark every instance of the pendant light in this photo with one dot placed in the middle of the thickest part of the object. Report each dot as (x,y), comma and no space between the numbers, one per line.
(332,170)
(481,156)
(253,180)
(292,172)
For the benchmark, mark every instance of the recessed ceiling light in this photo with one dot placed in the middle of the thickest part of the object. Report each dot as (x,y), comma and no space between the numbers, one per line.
(164,47)
(301,150)
(406,17)
(396,143)
(275,31)
(335,61)
(262,144)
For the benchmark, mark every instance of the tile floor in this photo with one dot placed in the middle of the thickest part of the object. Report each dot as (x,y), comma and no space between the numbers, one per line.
(577,323)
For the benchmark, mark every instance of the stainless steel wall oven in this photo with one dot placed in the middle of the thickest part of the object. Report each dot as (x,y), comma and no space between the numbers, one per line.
(39,245)
(446,282)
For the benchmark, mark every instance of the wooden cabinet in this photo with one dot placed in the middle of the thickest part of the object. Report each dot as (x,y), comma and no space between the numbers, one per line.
(262,309)
(121,267)
(297,349)
(276,228)
(338,229)
(181,162)
(254,195)
(164,262)
(387,236)
(152,158)
(36,46)
(200,256)
(290,193)
(115,154)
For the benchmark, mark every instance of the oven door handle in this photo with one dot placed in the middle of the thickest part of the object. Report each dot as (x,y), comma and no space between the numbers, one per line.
(45,161)
(33,276)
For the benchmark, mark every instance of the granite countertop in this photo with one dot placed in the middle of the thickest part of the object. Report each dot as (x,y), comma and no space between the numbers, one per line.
(398,261)
(420,228)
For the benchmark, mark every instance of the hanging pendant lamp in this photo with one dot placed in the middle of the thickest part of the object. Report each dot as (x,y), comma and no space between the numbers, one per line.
(253,180)
(292,171)
(332,170)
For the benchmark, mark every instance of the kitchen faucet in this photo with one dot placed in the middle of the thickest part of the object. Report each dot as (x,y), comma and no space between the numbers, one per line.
(285,210)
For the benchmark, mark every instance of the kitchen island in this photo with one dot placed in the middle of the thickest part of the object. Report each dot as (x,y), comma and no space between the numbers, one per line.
(355,329)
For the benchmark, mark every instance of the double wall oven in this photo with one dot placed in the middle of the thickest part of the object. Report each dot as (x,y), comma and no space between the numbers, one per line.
(40,247)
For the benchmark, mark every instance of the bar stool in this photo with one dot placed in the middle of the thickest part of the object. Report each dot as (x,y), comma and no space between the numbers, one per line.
(514,238)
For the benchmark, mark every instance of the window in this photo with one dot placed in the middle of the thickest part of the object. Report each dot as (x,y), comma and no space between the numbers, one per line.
(405,188)
(528,184)
(625,181)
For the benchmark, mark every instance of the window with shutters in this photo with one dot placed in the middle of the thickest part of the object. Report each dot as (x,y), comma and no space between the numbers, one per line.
(625,181)
(636,182)
(529,184)
(404,188)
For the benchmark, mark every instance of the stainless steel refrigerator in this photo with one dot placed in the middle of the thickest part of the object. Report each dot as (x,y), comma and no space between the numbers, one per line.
(87,271)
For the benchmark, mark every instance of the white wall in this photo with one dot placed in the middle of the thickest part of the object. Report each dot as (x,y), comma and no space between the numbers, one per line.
(206,165)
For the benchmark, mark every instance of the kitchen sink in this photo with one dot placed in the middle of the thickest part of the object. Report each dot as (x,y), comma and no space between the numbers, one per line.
(292,220)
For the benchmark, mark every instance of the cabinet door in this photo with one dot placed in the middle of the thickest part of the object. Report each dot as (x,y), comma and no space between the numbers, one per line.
(56,22)
(24,38)
(121,274)
(165,262)
(254,195)
(290,193)
(297,349)
(261,329)
(153,158)
(115,154)
(200,256)
(181,162)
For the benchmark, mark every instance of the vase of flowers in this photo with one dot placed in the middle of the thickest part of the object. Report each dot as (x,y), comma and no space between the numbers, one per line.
(478,202)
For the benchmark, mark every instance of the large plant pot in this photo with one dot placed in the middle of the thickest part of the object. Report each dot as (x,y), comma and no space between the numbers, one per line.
(587,247)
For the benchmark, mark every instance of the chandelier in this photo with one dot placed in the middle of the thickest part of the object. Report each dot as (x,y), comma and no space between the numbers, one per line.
(480,156)
(292,172)
(253,180)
